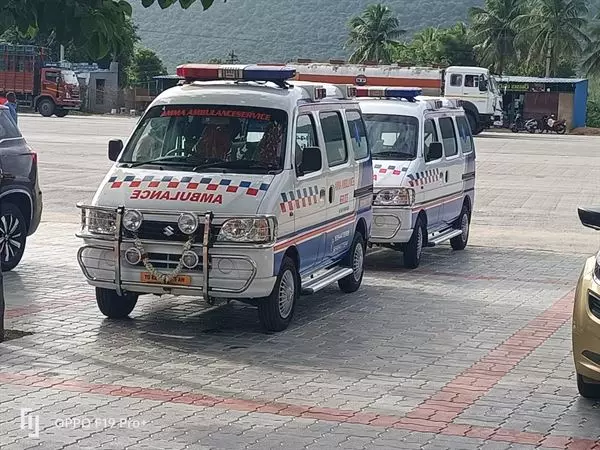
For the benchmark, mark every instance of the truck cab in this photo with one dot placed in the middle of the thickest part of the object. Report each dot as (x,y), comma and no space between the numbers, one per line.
(479,93)
(58,92)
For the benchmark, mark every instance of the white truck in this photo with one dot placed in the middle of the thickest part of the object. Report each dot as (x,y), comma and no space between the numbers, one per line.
(475,86)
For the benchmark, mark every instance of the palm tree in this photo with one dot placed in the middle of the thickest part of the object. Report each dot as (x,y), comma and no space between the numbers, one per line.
(374,34)
(494,31)
(591,62)
(553,29)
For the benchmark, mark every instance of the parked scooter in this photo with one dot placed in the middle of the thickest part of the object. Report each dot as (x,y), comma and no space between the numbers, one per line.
(532,126)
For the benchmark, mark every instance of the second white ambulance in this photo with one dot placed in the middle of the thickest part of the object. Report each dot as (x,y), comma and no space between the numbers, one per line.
(423,169)
(236,184)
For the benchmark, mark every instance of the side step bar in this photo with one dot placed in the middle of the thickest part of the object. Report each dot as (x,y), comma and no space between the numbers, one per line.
(442,237)
(313,285)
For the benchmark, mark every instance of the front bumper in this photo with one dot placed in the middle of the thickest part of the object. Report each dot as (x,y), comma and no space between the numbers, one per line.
(71,105)
(586,324)
(391,225)
(225,270)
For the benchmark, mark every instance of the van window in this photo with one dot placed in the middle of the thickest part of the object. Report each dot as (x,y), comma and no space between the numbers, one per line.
(358,134)
(335,141)
(430,135)
(393,136)
(464,132)
(456,80)
(471,80)
(306,134)
(448,136)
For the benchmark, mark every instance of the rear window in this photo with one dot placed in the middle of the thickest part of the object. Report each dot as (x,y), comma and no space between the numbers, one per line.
(8,129)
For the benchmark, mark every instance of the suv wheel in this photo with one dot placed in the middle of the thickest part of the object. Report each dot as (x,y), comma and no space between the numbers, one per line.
(13,234)
(113,305)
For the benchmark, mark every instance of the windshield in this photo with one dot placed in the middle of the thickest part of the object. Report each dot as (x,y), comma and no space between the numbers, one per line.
(69,77)
(210,137)
(392,136)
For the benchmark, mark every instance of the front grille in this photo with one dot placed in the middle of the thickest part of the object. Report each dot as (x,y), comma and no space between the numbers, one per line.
(163,231)
(167,261)
(594,303)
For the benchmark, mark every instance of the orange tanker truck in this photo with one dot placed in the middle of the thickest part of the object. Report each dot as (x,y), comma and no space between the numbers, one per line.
(37,83)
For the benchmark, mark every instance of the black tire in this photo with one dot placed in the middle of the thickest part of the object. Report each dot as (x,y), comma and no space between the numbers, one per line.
(61,112)
(462,223)
(414,247)
(275,312)
(13,236)
(355,259)
(587,389)
(514,129)
(46,107)
(113,305)
(561,129)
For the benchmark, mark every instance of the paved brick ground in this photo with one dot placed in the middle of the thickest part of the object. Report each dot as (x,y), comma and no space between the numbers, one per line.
(472,350)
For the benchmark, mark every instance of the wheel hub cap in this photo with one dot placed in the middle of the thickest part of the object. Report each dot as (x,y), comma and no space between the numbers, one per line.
(357,262)
(287,291)
(10,237)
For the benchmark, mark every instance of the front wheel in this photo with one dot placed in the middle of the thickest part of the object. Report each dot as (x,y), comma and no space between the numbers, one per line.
(561,129)
(13,234)
(113,305)
(46,107)
(61,112)
(275,312)
(414,247)
(355,259)
(463,223)
(587,389)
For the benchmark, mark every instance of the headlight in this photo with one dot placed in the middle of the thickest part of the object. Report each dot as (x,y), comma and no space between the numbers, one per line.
(395,197)
(597,268)
(257,231)
(96,221)
(187,223)
(132,220)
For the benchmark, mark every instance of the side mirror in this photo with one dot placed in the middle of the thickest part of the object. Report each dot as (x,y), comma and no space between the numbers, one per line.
(311,160)
(483,84)
(590,217)
(115,146)
(435,151)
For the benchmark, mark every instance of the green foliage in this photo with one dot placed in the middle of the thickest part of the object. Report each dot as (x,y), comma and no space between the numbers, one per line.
(146,65)
(438,47)
(374,34)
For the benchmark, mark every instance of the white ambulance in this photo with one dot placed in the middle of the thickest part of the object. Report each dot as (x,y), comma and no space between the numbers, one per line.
(423,170)
(235,185)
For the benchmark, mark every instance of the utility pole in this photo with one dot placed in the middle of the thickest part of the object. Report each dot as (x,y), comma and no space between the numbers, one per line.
(233,58)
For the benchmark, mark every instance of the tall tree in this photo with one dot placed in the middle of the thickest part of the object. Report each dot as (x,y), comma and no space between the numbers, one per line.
(591,62)
(554,29)
(146,65)
(494,30)
(374,34)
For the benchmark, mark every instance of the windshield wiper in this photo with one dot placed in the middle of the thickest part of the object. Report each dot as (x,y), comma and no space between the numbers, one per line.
(162,159)
(238,164)
(400,155)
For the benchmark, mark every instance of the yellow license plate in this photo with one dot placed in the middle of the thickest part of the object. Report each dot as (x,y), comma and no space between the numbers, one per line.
(181,280)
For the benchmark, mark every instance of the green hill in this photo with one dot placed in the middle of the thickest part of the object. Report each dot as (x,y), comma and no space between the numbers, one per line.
(274,30)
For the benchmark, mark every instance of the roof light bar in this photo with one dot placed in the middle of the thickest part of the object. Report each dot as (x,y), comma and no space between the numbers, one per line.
(239,72)
(390,92)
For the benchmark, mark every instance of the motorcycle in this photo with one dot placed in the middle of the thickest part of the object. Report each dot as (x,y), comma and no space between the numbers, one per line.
(558,127)
(517,125)
(532,126)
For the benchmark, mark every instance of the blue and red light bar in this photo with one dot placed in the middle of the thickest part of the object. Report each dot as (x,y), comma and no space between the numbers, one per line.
(237,72)
(407,93)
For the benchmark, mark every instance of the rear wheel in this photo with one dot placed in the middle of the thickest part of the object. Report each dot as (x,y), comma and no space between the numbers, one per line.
(275,312)
(355,259)
(463,223)
(13,234)
(587,388)
(61,112)
(561,129)
(46,107)
(113,305)
(414,247)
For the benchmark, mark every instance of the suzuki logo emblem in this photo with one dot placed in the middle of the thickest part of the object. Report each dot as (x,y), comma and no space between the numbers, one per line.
(168,231)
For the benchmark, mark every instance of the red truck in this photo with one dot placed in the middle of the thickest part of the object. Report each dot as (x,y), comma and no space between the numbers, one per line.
(45,87)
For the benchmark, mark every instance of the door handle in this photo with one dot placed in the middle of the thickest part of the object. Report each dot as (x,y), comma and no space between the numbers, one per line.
(330,194)
(322,194)
(446,176)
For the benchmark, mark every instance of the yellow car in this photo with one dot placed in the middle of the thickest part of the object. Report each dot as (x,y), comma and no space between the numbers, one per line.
(586,317)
